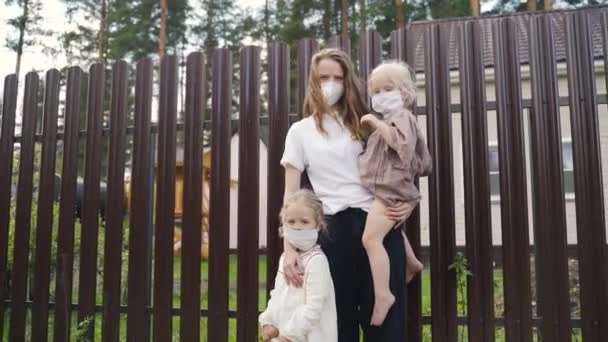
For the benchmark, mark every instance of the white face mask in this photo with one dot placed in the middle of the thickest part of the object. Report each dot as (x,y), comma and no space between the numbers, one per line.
(387,103)
(332,91)
(302,239)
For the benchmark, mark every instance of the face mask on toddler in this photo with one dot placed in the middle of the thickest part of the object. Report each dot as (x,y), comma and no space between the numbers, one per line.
(387,103)
(302,239)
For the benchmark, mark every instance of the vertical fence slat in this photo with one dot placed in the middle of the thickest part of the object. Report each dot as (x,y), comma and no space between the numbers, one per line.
(604,22)
(441,186)
(140,205)
(401,43)
(91,199)
(590,223)
(193,199)
(165,200)
(248,202)
(341,42)
(370,55)
(24,209)
(9,107)
(219,201)
(478,221)
(513,187)
(278,112)
(306,49)
(548,195)
(67,211)
(114,216)
(44,224)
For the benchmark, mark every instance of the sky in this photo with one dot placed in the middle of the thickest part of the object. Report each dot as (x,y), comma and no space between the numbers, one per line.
(55,19)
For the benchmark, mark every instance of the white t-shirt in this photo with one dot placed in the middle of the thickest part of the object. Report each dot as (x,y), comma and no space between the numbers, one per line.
(331,161)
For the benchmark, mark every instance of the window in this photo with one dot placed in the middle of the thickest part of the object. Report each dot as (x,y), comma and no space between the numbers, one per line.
(567,169)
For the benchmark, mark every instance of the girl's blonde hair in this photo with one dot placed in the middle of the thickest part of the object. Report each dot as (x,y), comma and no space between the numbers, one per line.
(351,106)
(397,74)
(309,199)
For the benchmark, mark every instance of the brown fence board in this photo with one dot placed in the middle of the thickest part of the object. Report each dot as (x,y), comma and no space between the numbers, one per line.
(193,199)
(278,112)
(249,201)
(549,216)
(9,107)
(141,205)
(441,186)
(91,203)
(44,224)
(478,220)
(219,201)
(24,209)
(401,48)
(370,55)
(165,200)
(513,186)
(67,217)
(306,49)
(590,221)
(342,42)
(115,216)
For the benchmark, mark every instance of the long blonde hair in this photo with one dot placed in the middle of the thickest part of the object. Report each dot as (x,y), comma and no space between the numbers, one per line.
(351,106)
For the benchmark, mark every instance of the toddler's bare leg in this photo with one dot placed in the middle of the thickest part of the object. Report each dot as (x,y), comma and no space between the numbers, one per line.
(414,265)
(376,228)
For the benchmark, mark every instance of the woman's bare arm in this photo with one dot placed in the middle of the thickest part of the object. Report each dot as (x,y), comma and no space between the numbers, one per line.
(292,268)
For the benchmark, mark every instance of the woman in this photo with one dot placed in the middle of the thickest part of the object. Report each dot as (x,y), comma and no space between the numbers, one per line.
(327,144)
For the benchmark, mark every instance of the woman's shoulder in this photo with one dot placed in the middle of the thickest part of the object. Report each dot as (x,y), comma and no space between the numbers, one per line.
(303,125)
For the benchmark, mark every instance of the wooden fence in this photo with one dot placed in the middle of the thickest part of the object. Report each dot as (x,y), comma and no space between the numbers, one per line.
(31,310)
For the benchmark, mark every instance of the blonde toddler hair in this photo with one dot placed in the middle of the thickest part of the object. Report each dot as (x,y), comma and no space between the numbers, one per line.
(399,75)
(309,199)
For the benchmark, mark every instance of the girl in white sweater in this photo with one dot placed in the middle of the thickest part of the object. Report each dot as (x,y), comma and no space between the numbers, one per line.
(307,313)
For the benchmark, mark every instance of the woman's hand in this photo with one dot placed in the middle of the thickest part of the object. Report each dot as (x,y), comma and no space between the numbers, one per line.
(281,339)
(269,332)
(292,268)
(369,119)
(399,212)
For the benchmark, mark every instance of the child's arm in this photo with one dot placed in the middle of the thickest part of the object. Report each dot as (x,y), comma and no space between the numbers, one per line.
(396,137)
(317,286)
(268,317)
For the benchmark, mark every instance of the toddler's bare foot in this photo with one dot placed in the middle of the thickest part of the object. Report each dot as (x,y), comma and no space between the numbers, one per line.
(382,304)
(413,268)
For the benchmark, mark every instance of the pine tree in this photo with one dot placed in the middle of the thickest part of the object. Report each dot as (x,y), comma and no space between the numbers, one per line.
(88,42)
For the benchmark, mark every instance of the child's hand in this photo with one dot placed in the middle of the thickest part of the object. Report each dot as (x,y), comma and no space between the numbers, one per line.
(269,332)
(369,119)
(281,339)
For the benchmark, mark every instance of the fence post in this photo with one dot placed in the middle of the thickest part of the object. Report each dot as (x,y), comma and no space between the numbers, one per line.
(219,201)
(24,208)
(341,42)
(590,221)
(115,216)
(549,213)
(306,49)
(249,188)
(193,198)
(513,187)
(441,184)
(44,224)
(278,112)
(7,138)
(165,201)
(478,221)
(370,55)
(141,192)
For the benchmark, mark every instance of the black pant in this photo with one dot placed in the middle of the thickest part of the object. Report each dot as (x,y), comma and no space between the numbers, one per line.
(352,278)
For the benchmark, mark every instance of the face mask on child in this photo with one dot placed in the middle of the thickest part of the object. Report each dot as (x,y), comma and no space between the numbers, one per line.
(332,91)
(387,102)
(302,239)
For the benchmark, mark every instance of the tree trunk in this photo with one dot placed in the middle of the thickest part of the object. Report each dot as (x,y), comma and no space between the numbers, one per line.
(267,24)
(531,5)
(474,4)
(363,16)
(103,34)
(163,27)
(326,19)
(344,18)
(548,5)
(400,16)
(22,27)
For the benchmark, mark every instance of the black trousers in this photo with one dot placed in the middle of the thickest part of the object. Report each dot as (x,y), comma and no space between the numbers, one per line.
(352,279)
